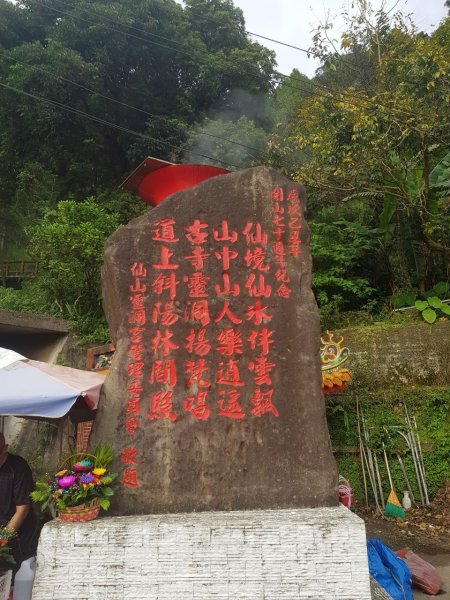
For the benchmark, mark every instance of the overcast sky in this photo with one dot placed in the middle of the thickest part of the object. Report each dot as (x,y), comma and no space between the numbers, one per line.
(291,21)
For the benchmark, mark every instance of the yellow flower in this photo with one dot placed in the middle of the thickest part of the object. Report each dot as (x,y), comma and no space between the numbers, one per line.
(99,471)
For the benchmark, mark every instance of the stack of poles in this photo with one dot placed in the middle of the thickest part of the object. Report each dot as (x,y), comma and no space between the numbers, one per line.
(405,475)
(412,440)
(369,461)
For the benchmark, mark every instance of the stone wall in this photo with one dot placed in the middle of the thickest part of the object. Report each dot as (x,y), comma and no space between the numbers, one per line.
(318,554)
(385,355)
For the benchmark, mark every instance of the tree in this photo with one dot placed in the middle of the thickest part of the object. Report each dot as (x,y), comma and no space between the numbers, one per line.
(68,243)
(283,152)
(381,143)
(89,87)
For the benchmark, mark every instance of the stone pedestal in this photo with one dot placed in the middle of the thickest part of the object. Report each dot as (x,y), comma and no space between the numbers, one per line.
(241,555)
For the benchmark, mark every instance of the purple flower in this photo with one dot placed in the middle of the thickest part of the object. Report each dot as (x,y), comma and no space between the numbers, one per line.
(86,478)
(66,482)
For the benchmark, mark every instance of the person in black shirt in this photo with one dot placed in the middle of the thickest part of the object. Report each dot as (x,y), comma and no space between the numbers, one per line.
(16,512)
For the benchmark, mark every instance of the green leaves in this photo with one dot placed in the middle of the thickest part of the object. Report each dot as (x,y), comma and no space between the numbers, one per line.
(440,175)
(429,315)
(68,242)
(421,304)
(105,503)
(403,299)
(430,307)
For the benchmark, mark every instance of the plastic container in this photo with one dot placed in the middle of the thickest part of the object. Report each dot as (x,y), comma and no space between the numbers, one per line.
(406,501)
(23,581)
(345,492)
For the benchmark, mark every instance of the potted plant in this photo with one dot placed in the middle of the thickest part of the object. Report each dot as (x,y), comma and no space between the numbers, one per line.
(81,487)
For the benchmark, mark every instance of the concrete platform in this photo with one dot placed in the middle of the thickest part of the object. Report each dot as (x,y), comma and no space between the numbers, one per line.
(316,554)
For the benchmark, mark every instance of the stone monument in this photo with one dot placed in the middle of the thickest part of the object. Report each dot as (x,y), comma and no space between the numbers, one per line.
(214,400)
(214,406)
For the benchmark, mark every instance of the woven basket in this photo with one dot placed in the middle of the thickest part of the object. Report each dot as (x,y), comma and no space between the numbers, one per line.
(82,513)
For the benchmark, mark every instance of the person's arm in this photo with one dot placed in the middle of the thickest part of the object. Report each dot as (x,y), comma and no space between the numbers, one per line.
(19,517)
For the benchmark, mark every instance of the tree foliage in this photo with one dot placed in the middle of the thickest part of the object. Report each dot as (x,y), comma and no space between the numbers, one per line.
(89,87)
(69,245)
(381,140)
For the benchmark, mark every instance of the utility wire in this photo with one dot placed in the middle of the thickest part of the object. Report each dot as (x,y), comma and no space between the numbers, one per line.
(182,51)
(86,115)
(83,87)
(216,21)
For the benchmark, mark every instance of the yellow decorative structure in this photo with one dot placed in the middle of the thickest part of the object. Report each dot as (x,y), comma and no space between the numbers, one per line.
(333,356)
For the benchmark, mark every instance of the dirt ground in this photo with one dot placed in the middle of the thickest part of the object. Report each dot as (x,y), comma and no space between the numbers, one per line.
(425,531)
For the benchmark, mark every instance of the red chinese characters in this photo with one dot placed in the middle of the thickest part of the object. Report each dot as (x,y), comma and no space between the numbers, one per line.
(129,478)
(137,319)
(229,405)
(279,216)
(259,290)
(197,314)
(163,375)
(294,211)
(262,403)
(196,403)
(128,456)
(229,342)
(161,406)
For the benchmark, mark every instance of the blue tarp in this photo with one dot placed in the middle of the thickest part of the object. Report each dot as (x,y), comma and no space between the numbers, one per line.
(389,571)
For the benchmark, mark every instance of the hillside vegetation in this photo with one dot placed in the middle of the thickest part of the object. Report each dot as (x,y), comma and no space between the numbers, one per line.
(90,87)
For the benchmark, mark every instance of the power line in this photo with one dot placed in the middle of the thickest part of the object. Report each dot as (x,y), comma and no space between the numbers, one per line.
(101,121)
(160,117)
(182,51)
(206,18)
(116,30)
(258,35)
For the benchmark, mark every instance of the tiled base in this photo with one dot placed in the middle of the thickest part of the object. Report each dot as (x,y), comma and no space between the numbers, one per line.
(266,555)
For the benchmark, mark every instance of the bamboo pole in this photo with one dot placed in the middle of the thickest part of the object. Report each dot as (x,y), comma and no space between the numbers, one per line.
(361,450)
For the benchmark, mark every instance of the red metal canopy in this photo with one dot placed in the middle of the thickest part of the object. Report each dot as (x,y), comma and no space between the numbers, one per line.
(154,180)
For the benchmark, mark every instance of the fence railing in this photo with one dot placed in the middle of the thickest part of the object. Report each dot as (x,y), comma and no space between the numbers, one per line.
(16,269)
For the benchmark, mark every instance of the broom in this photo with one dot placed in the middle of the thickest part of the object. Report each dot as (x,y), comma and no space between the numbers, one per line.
(393,507)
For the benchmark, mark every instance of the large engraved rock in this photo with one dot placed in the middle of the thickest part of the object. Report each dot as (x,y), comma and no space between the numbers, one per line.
(214,400)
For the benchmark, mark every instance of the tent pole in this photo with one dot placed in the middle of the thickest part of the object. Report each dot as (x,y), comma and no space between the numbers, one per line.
(61,435)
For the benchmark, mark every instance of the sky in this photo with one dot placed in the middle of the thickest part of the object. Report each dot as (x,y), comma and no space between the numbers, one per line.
(291,21)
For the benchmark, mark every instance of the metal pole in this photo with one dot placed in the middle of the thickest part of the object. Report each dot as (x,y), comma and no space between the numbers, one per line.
(361,450)
(370,464)
(408,443)
(425,489)
(415,452)
(379,481)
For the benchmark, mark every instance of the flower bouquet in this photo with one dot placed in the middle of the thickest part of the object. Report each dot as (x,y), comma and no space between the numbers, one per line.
(80,487)
(5,550)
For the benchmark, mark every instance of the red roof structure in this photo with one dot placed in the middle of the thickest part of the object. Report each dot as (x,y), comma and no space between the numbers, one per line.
(154,179)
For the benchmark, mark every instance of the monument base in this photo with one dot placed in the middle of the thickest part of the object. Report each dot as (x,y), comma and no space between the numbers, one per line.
(315,553)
